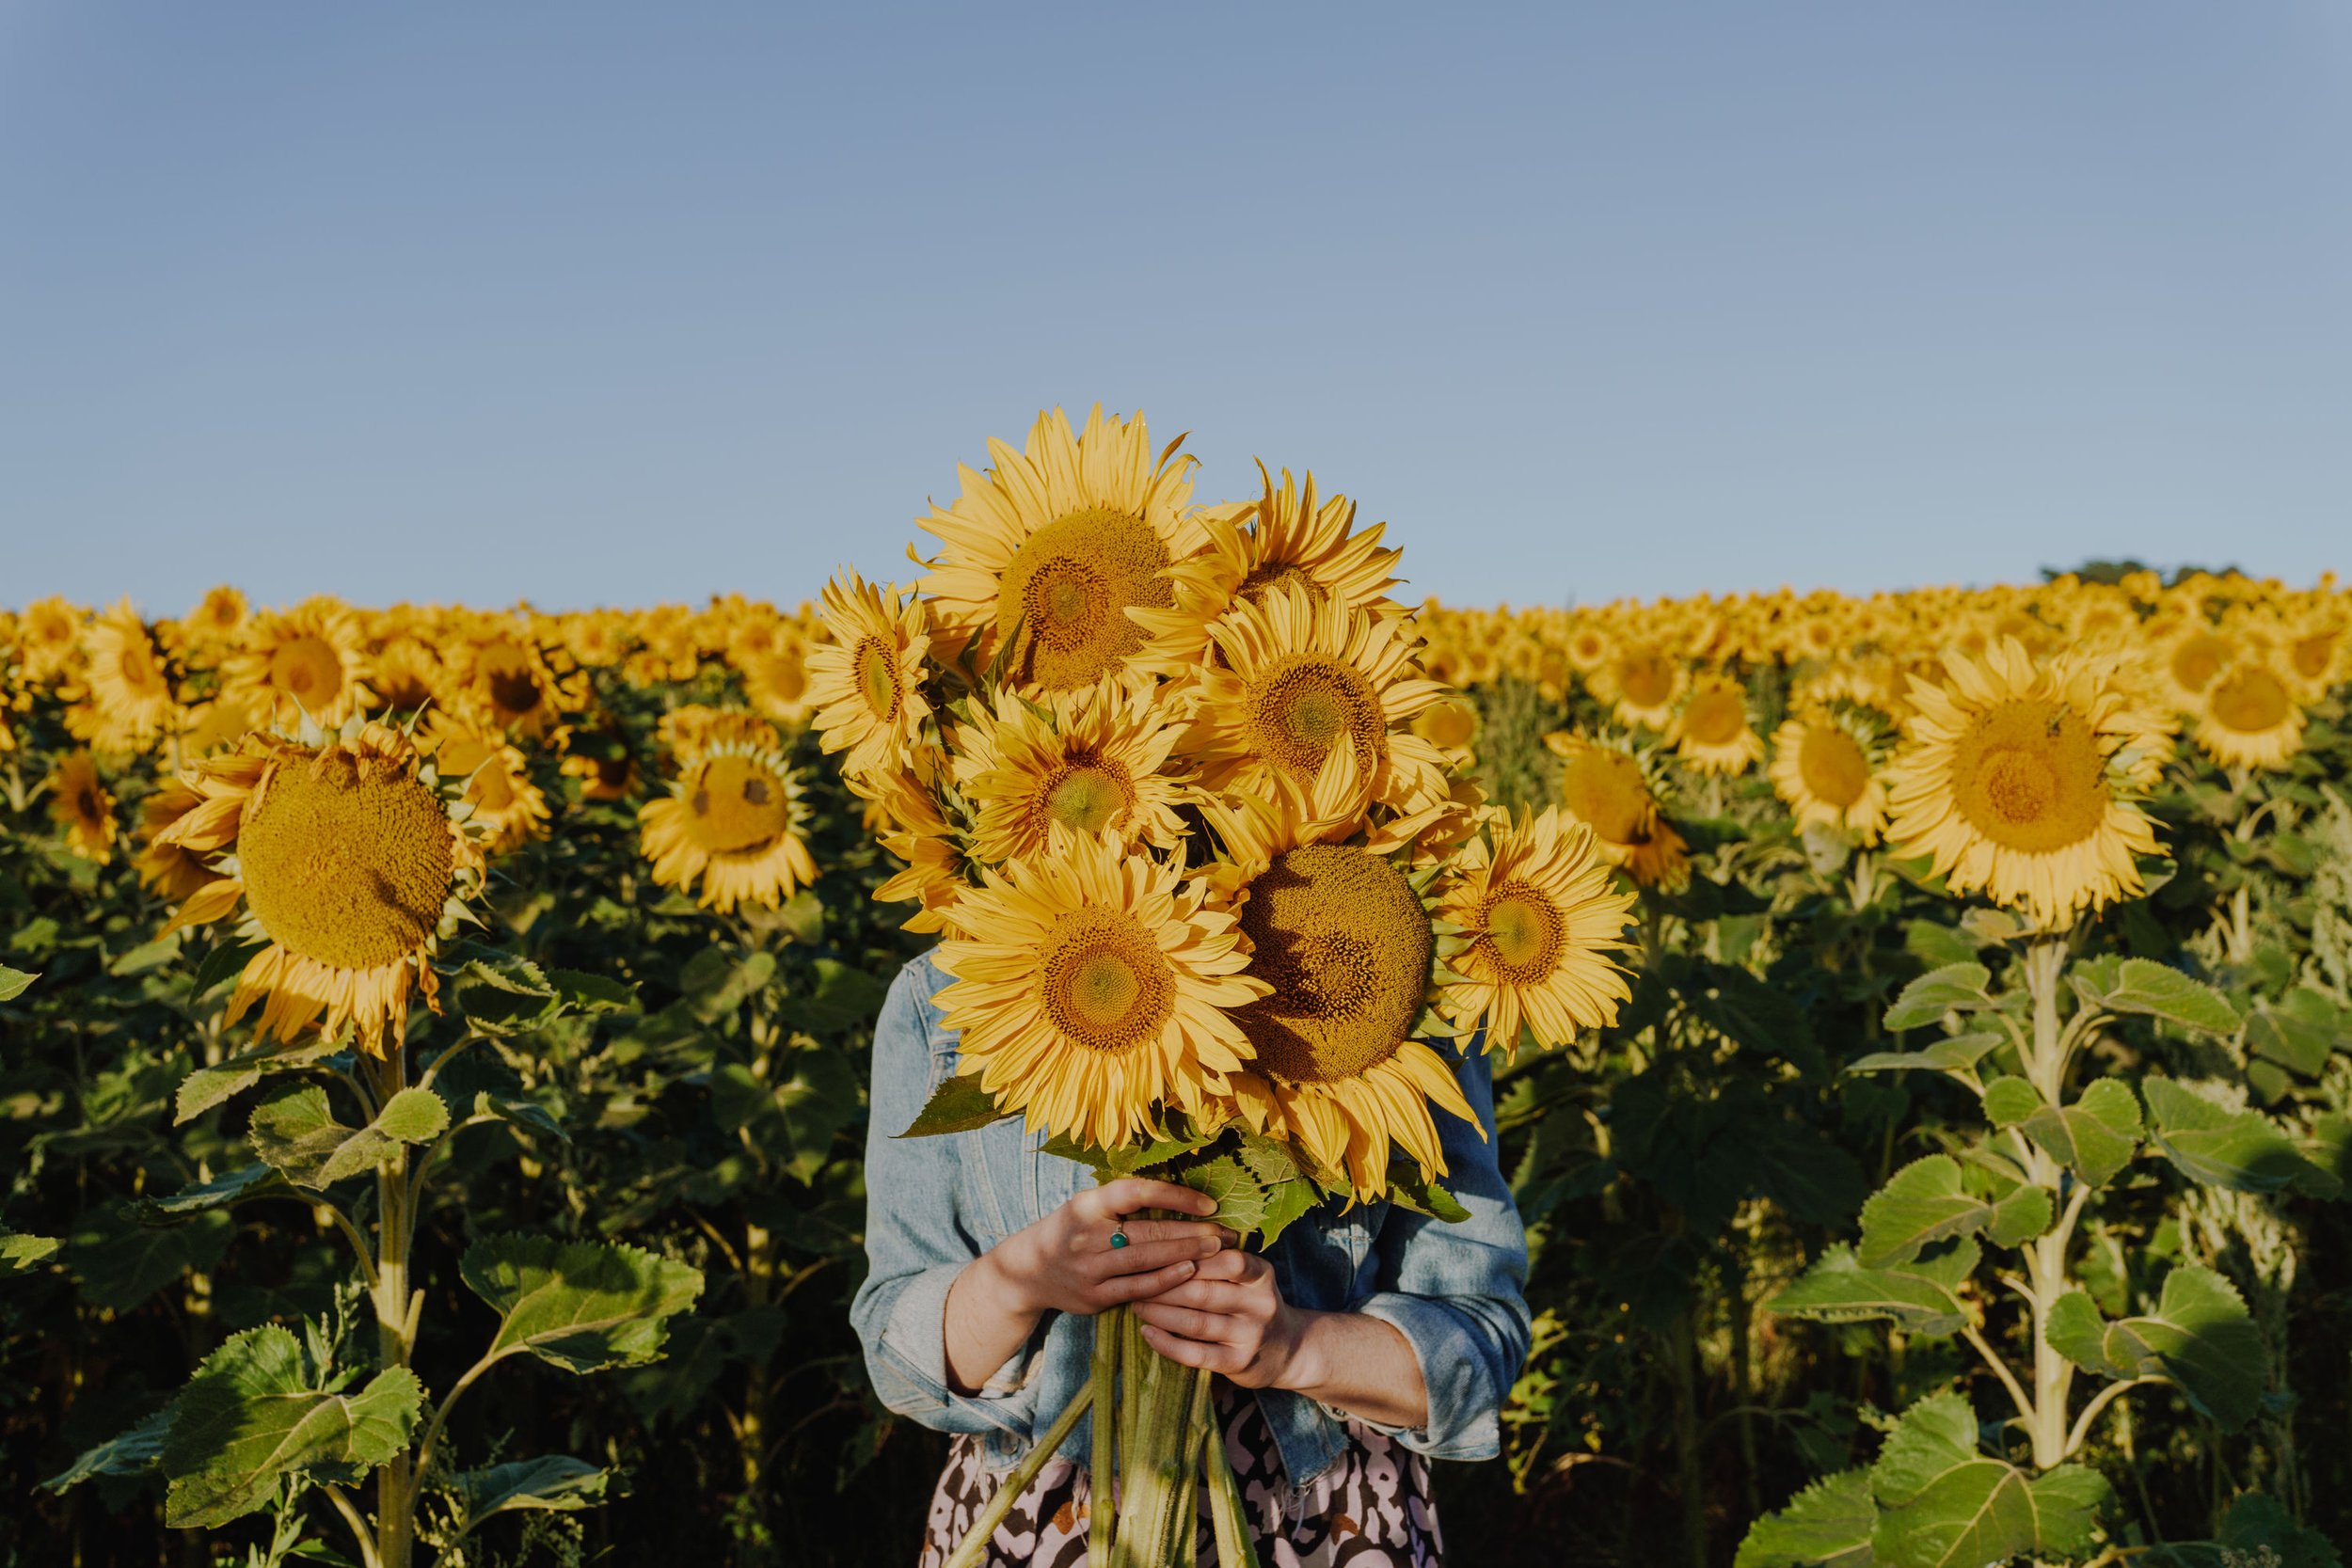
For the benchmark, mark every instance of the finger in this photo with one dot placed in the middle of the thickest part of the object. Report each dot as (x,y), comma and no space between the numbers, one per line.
(1193,1353)
(1143,1256)
(1096,1237)
(1238,1267)
(1191,1321)
(1131,1193)
(1212,1295)
(1138,1287)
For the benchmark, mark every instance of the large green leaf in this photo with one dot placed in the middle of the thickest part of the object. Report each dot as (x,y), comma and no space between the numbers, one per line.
(2220,1148)
(251,1414)
(1923,1295)
(1954,987)
(122,1262)
(958,1105)
(1921,1204)
(1240,1198)
(580,1305)
(13,981)
(2094,1137)
(1954,1053)
(556,1482)
(296,1133)
(2299,1031)
(126,1454)
(1828,1525)
(2155,991)
(1945,1503)
(2200,1338)
(209,1086)
(236,1186)
(23,1253)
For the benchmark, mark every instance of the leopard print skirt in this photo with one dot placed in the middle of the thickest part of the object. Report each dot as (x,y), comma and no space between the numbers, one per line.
(1371,1509)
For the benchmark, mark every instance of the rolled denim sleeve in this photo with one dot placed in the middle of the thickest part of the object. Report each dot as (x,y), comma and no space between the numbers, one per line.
(915,1240)
(1455,1291)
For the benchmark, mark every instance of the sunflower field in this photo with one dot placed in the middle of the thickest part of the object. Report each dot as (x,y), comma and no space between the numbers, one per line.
(433,1041)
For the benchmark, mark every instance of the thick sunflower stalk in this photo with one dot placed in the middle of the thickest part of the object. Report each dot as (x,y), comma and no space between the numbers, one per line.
(1218,900)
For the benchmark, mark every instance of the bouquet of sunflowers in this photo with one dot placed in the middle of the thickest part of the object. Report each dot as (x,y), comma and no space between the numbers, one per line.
(1219,904)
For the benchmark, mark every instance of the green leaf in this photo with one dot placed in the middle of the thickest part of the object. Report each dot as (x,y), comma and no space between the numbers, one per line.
(1411,1188)
(715,981)
(250,1415)
(227,961)
(246,1181)
(1759,1017)
(1240,1200)
(958,1105)
(13,981)
(128,1453)
(579,1305)
(209,1086)
(1953,1053)
(479,1082)
(120,1263)
(2219,1147)
(2300,1031)
(23,1253)
(2158,991)
(2009,1101)
(1946,1504)
(1922,1295)
(295,1132)
(1828,1525)
(1954,987)
(556,1482)
(2094,1137)
(2201,1338)
(1923,1203)
(146,956)
(2253,1523)
(2020,1216)
(594,993)
(1286,1203)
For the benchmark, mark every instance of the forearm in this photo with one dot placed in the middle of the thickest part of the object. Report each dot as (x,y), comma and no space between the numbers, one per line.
(1358,1364)
(986,1322)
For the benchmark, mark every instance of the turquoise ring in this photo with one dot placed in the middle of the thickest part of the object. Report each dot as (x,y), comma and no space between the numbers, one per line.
(1119,1239)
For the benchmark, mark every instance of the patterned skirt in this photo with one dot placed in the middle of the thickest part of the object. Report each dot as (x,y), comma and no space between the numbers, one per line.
(1371,1509)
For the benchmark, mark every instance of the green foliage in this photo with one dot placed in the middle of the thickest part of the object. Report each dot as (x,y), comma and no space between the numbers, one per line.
(579,1305)
(1945,1503)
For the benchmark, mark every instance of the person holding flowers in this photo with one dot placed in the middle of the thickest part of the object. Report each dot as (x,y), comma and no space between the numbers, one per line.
(1183,1211)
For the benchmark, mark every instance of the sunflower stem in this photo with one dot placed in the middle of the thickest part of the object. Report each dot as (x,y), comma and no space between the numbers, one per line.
(974,1544)
(1234,1547)
(395,1312)
(1102,1506)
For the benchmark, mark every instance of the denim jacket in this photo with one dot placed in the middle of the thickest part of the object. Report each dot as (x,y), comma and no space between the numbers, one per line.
(933,1204)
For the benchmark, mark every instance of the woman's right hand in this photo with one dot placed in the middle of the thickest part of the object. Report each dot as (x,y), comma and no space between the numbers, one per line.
(1065,1262)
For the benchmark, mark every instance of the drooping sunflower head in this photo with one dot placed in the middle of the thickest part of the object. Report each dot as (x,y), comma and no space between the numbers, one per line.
(349,854)
(1546,919)
(1825,768)
(1094,992)
(170,871)
(2015,777)
(735,821)
(1605,785)
(82,807)
(866,682)
(1710,730)
(299,664)
(1045,553)
(2249,716)
(1082,763)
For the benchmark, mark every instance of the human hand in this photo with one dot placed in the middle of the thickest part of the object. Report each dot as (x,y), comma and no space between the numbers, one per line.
(1065,1262)
(1229,1316)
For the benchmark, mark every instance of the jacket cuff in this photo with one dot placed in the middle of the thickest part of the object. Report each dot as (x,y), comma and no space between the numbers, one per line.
(916,1337)
(1464,1420)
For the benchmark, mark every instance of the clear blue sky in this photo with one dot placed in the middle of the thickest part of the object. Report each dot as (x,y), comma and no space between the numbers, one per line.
(615,303)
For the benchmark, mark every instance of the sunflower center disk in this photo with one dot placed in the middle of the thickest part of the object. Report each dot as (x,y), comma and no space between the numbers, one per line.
(1524,932)
(1270,574)
(2252,702)
(1832,766)
(309,669)
(1346,945)
(1607,793)
(2030,777)
(1716,718)
(1088,794)
(1105,985)
(736,802)
(877,678)
(1302,704)
(2312,655)
(1065,594)
(346,866)
(506,672)
(2197,659)
(1647,679)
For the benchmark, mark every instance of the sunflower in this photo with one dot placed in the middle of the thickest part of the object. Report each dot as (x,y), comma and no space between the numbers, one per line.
(129,686)
(344,847)
(1710,730)
(82,806)
(933,867)
(1450,724)
(2191,659)
(1285,537)
(215,726)
(733,818)
(170,871)
(2012,778)
(1825,768)
(866,684)
(216,619)
(406,676)
(2315,649)
(601,758)
(1093,989)
(1605,786)
(773,660)
(299,663)
(2249,716)
(49,640)
(1544,915)
(507,806)
(1587,648)
(1043,555)
(1088,762)
(1346,949)
(1641,682)
(504,674)
(1300,677)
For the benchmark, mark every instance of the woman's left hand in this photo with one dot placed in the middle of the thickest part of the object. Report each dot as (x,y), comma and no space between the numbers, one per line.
(1227,1318)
